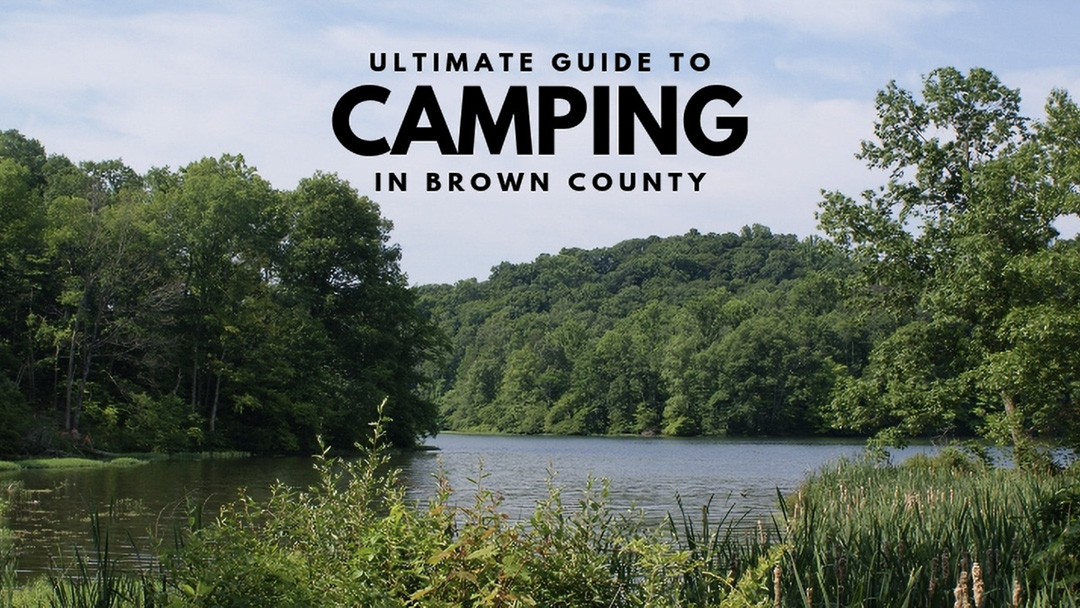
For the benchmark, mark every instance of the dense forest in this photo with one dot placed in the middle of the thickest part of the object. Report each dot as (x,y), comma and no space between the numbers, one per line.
(198,309)
(201,308)
(697,334)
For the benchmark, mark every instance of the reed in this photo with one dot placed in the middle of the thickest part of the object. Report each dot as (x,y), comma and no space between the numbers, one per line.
(886,535)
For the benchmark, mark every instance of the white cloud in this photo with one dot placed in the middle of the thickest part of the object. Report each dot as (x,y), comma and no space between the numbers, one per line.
(166,87)
(825,18)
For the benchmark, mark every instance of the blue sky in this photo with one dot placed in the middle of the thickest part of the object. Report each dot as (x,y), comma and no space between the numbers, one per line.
(168,84)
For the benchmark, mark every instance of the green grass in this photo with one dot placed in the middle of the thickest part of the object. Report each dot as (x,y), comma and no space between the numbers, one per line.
(67,463)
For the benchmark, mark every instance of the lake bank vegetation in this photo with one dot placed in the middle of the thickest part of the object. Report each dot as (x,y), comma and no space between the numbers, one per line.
(949,530)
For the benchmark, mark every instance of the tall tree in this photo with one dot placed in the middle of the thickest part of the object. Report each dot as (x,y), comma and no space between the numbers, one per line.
(338,263)
(950,245)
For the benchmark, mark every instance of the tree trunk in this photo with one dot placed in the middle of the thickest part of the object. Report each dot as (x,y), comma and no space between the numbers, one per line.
(217,391)
(195,376)
(213,408)
(70,376)
(89,345)
(1010,416)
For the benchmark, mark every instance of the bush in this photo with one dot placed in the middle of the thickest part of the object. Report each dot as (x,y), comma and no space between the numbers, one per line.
(13,416)
(353,540)
(161,425)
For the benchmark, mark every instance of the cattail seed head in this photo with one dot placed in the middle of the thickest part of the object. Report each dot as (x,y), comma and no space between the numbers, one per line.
(933,576)
(963,600)
(776,585)
(977,587)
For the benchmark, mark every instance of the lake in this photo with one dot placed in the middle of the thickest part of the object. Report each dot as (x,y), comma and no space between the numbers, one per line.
(52,516)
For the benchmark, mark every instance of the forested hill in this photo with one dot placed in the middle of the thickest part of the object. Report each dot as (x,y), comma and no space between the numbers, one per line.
(695,334)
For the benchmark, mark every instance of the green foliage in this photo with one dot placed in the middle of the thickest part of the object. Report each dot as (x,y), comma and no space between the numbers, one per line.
(696,334)
(198,309)
(97,581)
(14,417)
(908,535)
(353,540)
(856,533)
(961,247)
(163,425)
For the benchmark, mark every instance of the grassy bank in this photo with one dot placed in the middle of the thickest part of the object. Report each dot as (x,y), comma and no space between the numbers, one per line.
(127,460)
(67,463)
(947,531)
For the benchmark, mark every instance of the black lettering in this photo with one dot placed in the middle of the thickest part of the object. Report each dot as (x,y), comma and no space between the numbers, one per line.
(692,121)
(423,102)
(664,134)
(480,181)
(601,120)
(340,120)
(457,63)
(475,111)
(549,122)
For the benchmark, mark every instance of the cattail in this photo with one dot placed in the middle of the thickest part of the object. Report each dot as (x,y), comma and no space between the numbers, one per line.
(1018,592)
(910,500)
(961,591)
(841,574)
(933,576)
(809,596)
(977,586)
(776,586)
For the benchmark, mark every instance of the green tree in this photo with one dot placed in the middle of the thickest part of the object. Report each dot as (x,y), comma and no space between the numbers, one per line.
(952,246)
(338,263)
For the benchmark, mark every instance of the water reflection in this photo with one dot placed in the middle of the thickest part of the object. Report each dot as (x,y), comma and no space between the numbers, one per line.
(51,513)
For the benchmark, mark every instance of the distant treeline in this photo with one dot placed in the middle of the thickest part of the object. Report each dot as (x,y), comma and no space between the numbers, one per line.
(198,309)
(697,334)
(944,302)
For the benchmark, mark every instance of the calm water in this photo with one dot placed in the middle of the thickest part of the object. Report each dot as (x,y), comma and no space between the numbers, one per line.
(647,473)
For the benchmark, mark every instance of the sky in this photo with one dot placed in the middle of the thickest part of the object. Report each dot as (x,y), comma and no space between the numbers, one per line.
(166,84)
